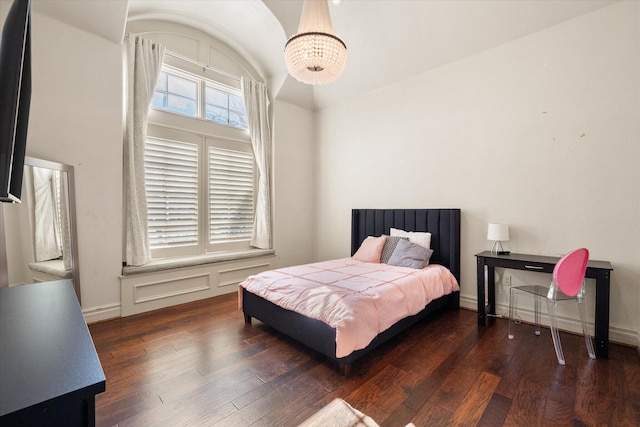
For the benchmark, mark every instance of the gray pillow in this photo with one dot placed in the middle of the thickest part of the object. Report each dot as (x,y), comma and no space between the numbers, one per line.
(389,246)
(407,254)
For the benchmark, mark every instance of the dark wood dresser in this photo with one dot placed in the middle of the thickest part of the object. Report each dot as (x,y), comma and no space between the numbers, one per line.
(49,368)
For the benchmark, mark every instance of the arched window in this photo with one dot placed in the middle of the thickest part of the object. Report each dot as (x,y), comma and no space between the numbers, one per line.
(199,165)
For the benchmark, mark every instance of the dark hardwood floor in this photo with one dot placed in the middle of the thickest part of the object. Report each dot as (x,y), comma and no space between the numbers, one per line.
(198,364)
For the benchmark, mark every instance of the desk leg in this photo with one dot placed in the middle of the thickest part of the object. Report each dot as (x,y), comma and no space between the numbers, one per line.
(491,294)
(90,407)
(481,286)
(602,313)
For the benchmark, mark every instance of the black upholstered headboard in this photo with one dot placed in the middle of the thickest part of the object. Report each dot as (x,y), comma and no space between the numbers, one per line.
(443,224)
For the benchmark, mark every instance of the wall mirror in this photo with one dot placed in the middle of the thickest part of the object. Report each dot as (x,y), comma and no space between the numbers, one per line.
(40,233)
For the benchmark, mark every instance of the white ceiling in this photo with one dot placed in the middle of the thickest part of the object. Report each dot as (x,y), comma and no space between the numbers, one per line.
(103,18)
(387,40)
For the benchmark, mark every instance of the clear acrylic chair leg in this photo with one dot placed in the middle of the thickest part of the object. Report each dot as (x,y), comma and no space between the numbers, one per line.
(554,330)
(587,337)
(513,302)
(537,314)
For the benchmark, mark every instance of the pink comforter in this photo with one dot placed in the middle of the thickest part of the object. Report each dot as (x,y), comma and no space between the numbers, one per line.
(358,299)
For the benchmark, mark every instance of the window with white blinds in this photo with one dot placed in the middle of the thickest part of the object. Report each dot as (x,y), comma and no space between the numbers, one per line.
(198,203)
(230,195)
(199,168)
(171,174)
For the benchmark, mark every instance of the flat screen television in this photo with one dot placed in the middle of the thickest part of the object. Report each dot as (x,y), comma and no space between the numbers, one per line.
(15,97)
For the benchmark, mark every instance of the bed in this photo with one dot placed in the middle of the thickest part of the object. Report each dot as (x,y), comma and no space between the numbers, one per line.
(444,226)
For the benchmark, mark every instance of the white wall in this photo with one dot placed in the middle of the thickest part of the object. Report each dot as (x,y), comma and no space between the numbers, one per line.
(76,118)
(294,211)
(541,133)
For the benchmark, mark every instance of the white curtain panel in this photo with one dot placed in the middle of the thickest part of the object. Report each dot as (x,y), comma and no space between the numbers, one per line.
(65,226)
(144,60)
(257,103)
(47,241)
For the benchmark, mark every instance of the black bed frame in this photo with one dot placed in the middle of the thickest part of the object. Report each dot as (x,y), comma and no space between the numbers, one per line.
(444,226)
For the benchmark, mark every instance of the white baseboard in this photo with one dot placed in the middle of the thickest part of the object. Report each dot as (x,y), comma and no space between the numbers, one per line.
(637,341)
(617,333)
(469,303)
(104,312)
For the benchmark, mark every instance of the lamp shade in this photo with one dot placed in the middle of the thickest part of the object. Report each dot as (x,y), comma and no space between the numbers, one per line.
(315,55)
(498,232)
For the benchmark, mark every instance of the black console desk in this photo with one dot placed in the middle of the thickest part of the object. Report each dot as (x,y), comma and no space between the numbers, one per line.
(598,270)
(49,369)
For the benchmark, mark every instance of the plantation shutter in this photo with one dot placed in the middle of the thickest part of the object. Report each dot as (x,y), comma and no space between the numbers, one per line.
(171,174)
(230,195)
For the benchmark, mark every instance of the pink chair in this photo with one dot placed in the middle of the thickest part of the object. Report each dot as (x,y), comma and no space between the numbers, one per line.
(567,284)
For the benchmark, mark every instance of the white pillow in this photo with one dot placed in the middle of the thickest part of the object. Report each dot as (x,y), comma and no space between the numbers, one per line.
(419,238)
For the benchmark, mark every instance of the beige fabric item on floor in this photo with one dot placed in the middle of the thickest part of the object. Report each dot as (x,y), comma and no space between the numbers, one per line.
(339,413)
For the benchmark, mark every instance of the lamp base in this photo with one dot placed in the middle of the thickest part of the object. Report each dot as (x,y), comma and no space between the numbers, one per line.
(498,249)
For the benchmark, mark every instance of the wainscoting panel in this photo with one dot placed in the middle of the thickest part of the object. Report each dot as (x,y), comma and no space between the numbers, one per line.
(233,276)
(145,292)
(151,291)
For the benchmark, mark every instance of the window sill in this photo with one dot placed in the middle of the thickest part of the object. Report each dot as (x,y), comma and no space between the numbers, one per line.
(170,263)
(53,268)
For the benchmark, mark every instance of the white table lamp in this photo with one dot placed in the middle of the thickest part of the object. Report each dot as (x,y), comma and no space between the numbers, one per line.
(498,233)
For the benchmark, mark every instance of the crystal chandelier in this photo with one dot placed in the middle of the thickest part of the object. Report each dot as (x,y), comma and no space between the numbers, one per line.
(315,55)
